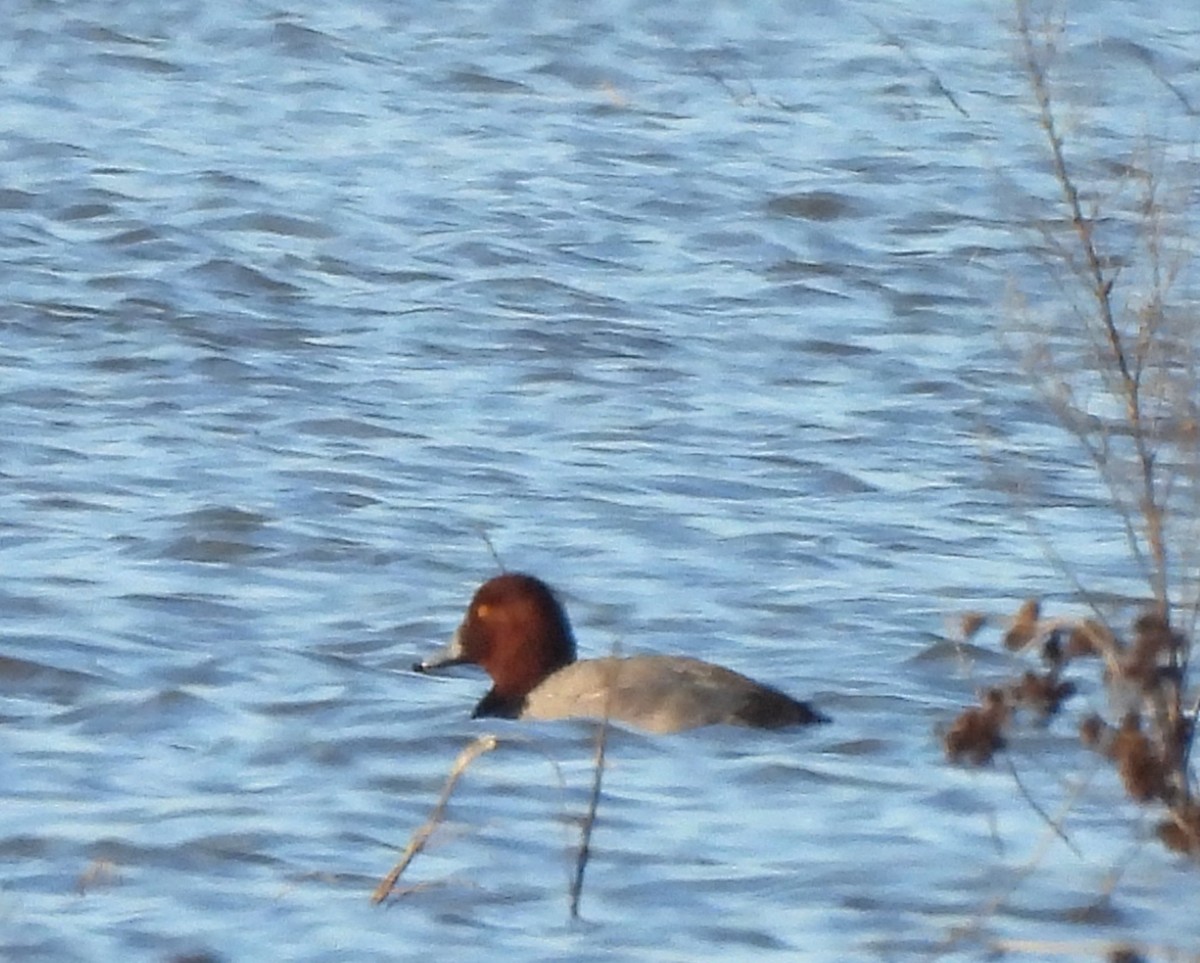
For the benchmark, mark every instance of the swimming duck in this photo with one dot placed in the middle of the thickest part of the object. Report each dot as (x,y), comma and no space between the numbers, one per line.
(518,632)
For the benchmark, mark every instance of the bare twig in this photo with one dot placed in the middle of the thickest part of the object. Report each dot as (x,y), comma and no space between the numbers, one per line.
(492,549)
(1077,949)
(1051,823)
(476,748)
(589,819)
(900,44)
(1128,386)
(1054,830)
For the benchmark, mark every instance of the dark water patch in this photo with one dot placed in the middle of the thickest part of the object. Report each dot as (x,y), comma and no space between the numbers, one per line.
(338,428)
(17,606)
(126,364)
(223,518)
(212,852)
(273,223)
(473,81)
(213,551)
(338,267)
(232,277)
(85,211)
(789,270)
(12,199)
(296,708)
(140,64)
(304,42)
(203,608)
(132,714)
(28,677)
(750,939)
(812,206)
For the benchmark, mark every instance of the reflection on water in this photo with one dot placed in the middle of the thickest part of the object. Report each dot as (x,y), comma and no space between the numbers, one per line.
(692,313)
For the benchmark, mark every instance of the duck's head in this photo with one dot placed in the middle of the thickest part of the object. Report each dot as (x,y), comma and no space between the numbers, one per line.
(517,631)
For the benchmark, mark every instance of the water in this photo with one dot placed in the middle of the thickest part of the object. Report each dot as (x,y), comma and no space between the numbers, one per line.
(692,311)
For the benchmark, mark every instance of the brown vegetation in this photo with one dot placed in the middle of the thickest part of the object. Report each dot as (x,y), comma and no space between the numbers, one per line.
(1116,363)
(1149,746)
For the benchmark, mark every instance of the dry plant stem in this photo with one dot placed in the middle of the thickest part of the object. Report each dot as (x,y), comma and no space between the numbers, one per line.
(1100,285)
(1132,374)
(492,549)
(589,820)
(1140,361)
(1053,831)
(1079,949)
(1045,816)
(1108,651)
(476,748)
(1060,565)
(899,43)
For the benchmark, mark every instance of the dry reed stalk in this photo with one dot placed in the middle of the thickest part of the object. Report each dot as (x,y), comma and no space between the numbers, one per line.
(589,819)
(1082,949)
(476,748)
(1053,824)
(1142,360)
(1123,364)
(906,50)
(1054,830)
(487,540)
(1117,367)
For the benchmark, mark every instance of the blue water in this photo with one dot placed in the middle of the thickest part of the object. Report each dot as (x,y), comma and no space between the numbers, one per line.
(697,311)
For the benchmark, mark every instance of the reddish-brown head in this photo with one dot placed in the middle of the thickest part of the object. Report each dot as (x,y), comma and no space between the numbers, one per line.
(518,632)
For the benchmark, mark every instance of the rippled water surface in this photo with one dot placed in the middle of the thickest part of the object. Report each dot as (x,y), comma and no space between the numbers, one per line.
(692,309)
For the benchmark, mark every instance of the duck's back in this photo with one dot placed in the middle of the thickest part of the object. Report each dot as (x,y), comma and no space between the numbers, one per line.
(663,693)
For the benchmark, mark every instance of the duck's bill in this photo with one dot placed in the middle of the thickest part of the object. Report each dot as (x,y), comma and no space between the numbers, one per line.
(448,655)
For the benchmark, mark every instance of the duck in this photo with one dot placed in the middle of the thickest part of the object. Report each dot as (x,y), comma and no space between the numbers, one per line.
(517,631)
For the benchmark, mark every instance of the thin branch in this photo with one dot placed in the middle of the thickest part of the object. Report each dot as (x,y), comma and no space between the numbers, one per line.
(1021,873)
(1100,284)
(589,819)
(476,748)
(1036,807)
(492,549)
(900,44)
